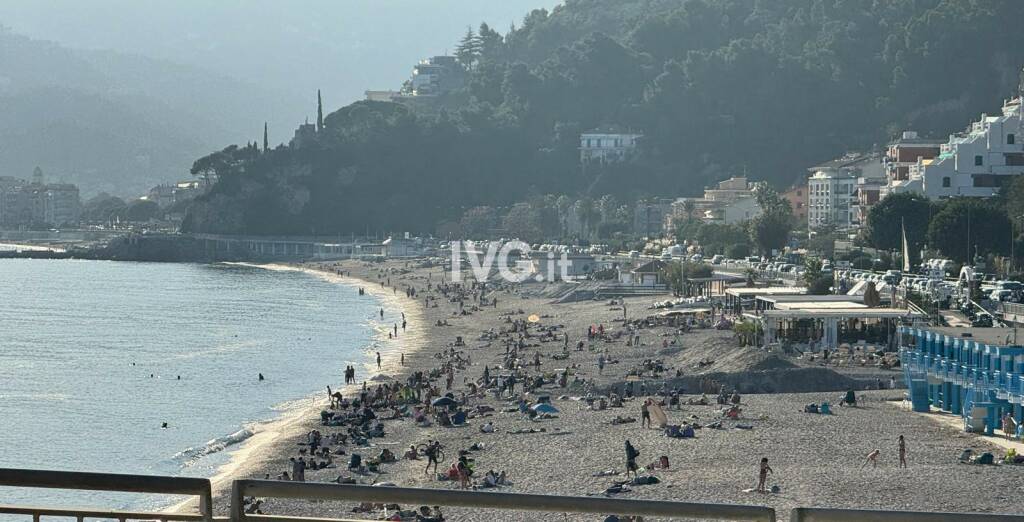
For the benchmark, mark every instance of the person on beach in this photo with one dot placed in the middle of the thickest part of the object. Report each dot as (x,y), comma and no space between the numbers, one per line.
(378,360)
(645,413)
(872,458)
(261,377)
(903,452)
(431,452)
(381,312)
(631,455)
(402,362)
(762,475)
(600,365)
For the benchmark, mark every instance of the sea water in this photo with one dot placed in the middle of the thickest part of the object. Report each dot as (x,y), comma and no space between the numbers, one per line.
(96,356)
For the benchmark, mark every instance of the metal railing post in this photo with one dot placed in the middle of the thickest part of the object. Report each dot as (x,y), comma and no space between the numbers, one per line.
(237,501)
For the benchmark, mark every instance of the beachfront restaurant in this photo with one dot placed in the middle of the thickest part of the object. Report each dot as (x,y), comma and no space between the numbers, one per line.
(740,299)
(819,325)
(971,372)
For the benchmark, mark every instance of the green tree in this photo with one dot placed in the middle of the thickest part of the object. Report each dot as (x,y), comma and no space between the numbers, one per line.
(103,208)
(141,210)
(479,222)
(468,50)
(818,283)
(770,230)
(965,226)
(887,217)
(523,221)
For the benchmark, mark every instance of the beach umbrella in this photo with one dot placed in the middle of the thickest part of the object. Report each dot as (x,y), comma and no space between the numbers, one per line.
(533,318)
(444,401)
(544,408)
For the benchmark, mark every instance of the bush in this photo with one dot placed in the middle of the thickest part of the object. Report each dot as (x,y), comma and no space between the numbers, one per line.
(738,251)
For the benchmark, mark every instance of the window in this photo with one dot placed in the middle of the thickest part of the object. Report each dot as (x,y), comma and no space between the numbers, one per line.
(1010,139)
(978,160)
(945,181)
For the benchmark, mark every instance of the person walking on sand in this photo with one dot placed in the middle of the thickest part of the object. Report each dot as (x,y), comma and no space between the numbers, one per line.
(402,362)
(431,452)
(762,475)
(381,313)
(872,458)
(631,455)
(645,413)
(903,452)
(396,329)
(378,360)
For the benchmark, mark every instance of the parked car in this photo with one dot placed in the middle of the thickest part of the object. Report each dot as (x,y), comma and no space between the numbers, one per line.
(1001,295)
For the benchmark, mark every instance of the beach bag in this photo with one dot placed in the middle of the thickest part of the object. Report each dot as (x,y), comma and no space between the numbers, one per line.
(355,461)
(688,432)
(663,462)
(672,431)
(985,458)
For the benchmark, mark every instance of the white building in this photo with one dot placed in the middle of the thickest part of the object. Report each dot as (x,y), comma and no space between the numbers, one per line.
(833,188)
(729,202)
(435,76)
(976,162)
(733,212)
(607,144)
(829,198)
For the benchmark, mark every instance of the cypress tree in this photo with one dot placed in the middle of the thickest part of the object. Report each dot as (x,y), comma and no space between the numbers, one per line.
(319,112)
(266,144)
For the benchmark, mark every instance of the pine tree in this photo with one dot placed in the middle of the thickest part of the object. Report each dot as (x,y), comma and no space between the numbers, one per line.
(319,112)
(468,49)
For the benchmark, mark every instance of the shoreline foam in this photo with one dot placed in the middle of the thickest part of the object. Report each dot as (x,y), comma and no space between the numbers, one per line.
(297,414)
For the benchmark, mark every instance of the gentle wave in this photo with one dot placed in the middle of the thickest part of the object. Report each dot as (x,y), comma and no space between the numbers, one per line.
(214,446)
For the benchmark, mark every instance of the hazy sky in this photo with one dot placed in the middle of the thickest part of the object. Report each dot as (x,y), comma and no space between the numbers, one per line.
(341,46)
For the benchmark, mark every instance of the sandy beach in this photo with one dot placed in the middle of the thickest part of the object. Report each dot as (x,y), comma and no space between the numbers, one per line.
(818,460)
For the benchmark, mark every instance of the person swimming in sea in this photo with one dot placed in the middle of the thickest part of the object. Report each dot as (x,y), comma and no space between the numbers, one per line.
(261,377)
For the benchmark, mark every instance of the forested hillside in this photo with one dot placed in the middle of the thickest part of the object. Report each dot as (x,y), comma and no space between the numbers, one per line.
(718,88)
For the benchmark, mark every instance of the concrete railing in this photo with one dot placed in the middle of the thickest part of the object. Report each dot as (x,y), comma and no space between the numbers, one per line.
(31,478)
(865,515)
(484,500)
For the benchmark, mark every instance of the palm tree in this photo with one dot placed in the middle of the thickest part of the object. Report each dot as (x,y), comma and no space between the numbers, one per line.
(689,207)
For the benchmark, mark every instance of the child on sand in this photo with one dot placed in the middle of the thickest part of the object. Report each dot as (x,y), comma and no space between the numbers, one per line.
(762,475)
(872,458)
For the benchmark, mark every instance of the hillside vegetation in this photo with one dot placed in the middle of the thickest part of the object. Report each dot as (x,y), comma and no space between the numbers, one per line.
(718,87)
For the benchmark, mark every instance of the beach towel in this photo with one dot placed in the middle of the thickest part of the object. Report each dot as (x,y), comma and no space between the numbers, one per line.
(658,415)
(688,433)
